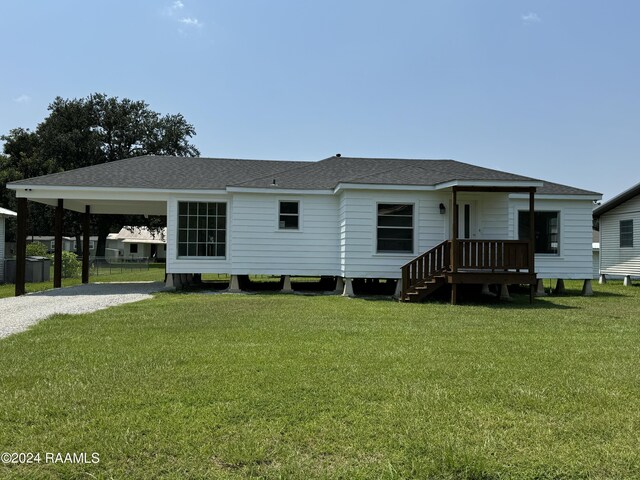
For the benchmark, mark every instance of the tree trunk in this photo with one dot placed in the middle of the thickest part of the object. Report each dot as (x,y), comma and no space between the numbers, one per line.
(104,227)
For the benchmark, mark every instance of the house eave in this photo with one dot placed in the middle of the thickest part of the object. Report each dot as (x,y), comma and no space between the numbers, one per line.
(617,201)
(277,191)
(38,191)
(379,186)
(440,186)
(490,183)
(556,196)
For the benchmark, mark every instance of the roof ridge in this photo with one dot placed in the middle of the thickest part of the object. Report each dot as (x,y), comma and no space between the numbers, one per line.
(281,171)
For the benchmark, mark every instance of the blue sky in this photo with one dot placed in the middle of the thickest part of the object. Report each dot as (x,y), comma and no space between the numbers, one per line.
(548,89)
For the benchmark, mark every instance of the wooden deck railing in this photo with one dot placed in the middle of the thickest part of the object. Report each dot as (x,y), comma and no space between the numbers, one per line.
(425,266)
(492,255)
(470,256)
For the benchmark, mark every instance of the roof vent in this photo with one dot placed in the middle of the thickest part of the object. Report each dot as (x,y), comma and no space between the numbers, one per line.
(338,155)
(274,183)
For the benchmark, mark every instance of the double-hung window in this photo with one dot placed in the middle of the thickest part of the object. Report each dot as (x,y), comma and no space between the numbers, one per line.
(395,228)
(289,215)
(626,233)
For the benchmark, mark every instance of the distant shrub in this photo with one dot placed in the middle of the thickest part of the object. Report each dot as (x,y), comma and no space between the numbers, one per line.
(37,249)
(70,265)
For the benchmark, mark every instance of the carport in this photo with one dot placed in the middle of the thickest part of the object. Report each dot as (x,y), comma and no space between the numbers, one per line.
(86,200)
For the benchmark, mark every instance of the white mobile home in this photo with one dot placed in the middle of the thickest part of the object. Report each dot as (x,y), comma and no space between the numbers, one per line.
(619,221)
(421,221)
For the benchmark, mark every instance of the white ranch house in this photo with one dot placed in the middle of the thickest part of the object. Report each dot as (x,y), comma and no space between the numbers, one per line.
(136,243)
(619,220)
(348,218)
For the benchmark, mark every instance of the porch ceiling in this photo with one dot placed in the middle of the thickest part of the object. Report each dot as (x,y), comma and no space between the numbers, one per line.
(115,207)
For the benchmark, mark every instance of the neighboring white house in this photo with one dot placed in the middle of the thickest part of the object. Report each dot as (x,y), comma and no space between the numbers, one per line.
(69,244)
(619,220)
(340,217)
(4,213)
(596,253)
(49,242)
(137,242)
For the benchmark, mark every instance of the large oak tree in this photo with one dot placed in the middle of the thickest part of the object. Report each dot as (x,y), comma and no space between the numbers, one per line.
(83,132)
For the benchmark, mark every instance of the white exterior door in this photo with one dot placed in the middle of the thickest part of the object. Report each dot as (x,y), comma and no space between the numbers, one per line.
(467,219)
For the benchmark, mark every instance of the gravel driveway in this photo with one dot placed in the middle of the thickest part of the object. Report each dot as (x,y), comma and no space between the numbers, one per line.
(19,313)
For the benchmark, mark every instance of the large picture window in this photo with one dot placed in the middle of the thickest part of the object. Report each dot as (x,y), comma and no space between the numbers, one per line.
(202,229)
(547,234)
(395,228)
(626,233)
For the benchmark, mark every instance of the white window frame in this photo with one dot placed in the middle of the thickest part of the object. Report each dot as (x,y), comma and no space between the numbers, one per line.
(413,228)
(226,231)
(289,200)
(560,222)
(620,232)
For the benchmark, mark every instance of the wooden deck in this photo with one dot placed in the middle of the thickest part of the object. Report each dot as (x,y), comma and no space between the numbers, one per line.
(458,262)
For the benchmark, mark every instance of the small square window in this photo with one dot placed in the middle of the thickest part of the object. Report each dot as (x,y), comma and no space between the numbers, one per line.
(289,218)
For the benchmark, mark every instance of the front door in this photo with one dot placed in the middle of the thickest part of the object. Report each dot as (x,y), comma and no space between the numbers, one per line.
(467,219)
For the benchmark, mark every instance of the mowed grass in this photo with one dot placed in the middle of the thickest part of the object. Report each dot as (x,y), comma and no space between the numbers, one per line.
(191,385)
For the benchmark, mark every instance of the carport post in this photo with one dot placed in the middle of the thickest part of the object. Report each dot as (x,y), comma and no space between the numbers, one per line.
(57,251)
(21,246)
(85,243)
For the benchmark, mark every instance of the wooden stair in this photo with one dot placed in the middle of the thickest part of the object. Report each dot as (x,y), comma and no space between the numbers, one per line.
(420,292)
(425,274)
(467,261)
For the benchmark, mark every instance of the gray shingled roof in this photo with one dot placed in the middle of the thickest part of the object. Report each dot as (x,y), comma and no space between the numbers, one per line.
(163,172)
(159,172)
(330,172)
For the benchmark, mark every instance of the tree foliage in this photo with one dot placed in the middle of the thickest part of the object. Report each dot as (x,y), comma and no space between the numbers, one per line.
(87,131)
(37,249)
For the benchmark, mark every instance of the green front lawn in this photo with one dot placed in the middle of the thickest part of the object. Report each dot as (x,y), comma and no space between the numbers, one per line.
(192,385)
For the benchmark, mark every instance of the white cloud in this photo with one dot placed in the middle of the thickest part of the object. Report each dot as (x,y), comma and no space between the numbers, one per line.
(178,12)
(191,22)
(22,99)
(531,17)
(170,10)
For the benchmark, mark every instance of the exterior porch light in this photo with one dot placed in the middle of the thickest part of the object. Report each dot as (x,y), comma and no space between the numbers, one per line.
(442,209)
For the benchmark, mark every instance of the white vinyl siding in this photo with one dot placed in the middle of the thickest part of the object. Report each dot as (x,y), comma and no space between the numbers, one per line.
(259,246)
(575,258)
(358,220)
(337,233)
(615,260)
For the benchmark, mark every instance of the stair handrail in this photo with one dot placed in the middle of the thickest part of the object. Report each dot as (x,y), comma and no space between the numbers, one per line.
(425,266)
